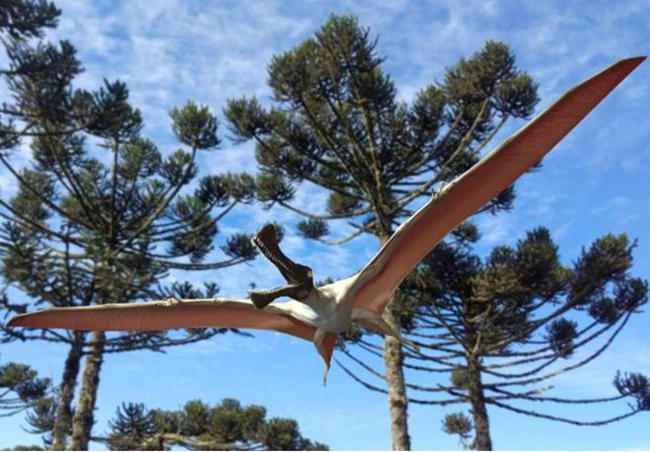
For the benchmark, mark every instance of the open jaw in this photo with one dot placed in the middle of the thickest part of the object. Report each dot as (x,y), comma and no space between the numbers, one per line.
(298,277)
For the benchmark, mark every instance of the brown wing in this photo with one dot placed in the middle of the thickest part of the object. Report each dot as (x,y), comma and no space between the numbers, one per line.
(156,316)
(494,173)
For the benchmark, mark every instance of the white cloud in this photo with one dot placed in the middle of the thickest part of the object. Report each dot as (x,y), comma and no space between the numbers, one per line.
(561,231)
(615,203)
(621,209)
(496,229)
(231,344)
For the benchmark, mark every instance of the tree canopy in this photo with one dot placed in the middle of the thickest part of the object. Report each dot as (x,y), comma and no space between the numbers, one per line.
(198,426)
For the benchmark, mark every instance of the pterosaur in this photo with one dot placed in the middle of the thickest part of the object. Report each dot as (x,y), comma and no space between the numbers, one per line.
(317,314)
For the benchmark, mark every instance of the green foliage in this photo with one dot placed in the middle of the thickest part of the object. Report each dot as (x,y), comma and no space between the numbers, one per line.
(272,188)
(42,418)
(491,73)
(198,426)
(131,427)
(20,388)
(42,74)
(179,168)
(313,228)
(33,447)
(606,259)
(139,158)
(246,118)
(636,385)
(195,126)
(213,191)
(111,115)
(513,283)
(197,244)
(341,203)
(459,378)
(457,424)
(240,186)
(21,19)
(239,245)
(560,335)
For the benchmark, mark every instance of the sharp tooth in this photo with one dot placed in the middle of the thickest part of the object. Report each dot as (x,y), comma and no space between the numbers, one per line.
(269,254)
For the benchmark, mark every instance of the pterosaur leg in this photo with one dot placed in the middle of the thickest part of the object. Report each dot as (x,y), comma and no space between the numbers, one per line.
(375,321)
(319,342)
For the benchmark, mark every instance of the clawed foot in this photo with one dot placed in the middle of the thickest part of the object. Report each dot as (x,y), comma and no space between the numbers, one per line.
(413,345)
(374,321)
(327,370)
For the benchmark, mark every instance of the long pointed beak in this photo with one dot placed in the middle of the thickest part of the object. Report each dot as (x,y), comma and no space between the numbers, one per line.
(267,242)
(299,277)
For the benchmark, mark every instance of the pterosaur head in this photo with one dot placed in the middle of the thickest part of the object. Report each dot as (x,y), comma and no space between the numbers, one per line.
(299,277)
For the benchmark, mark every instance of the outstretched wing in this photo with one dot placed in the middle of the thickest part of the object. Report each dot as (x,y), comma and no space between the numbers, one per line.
(163,315)
(462,197)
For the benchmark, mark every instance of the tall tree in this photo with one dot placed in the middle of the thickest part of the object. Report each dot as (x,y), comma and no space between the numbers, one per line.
(106,227)
(502,327)
(20,22)
(337,124)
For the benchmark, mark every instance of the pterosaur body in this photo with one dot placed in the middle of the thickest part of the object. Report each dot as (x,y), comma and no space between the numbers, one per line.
(317,314)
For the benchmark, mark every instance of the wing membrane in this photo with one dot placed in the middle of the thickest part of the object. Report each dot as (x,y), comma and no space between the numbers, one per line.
(494,173)
(156,316)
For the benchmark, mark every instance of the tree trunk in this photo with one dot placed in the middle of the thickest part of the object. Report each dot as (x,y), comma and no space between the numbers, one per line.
(397,399)
(482,440)
(63,416)
(84,416)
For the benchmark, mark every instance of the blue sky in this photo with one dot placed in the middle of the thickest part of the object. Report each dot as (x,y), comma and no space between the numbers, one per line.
(594,182)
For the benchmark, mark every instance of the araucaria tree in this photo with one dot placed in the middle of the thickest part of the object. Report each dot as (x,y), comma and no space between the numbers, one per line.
(99,215)
(499,329)
(198,426)
(336,123)
(20,388)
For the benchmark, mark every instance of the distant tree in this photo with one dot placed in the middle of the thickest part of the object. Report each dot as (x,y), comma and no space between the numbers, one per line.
(198,426)
(336,123)
(503,326)
(32,447)
(99,228)
(20,388)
